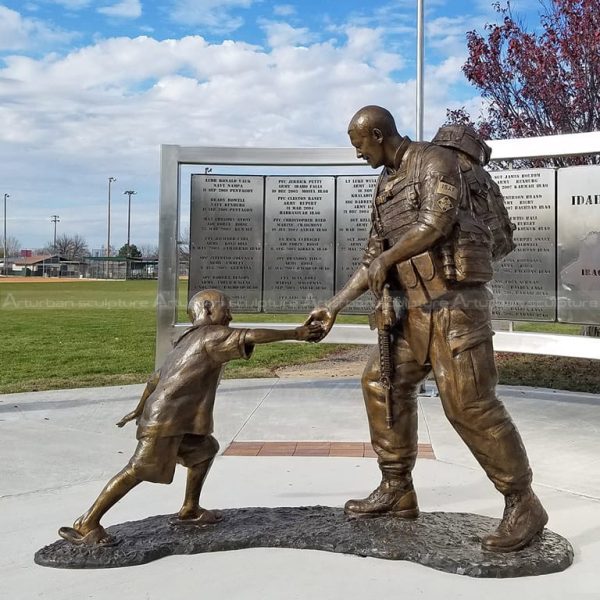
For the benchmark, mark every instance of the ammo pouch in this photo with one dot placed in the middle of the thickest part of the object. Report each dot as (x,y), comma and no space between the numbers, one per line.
(472,250)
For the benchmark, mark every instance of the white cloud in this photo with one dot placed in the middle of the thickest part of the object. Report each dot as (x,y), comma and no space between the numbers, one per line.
(283,34)
(18,32)
(106,108)
(368,43)
(363,40)
(448,35)
(126,9)
(446,73)
(73,4)
(215,15)
(394,17)
(284,10)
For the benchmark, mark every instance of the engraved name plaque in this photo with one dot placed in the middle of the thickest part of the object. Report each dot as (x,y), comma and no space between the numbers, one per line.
(525,281)
(354,197)
(299,243)
(579,245)
(226,247)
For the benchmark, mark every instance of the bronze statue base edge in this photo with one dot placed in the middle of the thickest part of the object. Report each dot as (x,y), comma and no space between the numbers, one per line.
(449,542)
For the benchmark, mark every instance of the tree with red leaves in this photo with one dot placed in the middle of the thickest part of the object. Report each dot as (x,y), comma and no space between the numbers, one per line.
(537,84)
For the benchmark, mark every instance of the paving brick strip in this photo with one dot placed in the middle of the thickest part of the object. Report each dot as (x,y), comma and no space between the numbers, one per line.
(338,449)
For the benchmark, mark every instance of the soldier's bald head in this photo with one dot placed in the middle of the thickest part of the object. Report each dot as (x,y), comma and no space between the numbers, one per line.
(372,131)
(373,117)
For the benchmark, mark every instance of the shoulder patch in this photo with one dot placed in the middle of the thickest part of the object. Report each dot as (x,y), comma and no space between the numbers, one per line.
(445,204)
(447,189)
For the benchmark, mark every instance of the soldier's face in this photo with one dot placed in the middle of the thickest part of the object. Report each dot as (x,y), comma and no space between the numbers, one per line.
(368,146)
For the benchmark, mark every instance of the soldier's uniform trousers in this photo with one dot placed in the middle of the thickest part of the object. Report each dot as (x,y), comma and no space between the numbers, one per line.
(452,338)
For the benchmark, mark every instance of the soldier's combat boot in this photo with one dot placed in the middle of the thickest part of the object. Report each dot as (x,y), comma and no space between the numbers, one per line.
(524,517)
(392,497)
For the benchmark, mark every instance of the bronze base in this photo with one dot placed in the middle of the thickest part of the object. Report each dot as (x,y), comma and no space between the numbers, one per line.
(449,542)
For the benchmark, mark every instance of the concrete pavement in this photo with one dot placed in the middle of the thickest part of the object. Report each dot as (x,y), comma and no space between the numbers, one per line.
(58,449)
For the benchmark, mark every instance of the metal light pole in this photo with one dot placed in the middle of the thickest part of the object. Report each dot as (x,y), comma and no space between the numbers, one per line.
(420,65)
(54,219)
(5,245)
(110,180)
(129,193)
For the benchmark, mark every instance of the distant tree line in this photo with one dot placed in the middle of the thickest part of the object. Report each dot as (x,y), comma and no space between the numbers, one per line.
(129,251)
(75,247)
(13,246)
(71,247)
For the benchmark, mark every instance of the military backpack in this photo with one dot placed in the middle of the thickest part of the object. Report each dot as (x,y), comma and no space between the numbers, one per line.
(483,200)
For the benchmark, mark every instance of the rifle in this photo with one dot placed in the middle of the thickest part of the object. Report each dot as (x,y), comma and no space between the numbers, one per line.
(383,319)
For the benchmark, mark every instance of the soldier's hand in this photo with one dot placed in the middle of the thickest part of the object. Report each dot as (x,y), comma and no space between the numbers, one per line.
(128,417)
(310,333)
(323,316)
(377,276)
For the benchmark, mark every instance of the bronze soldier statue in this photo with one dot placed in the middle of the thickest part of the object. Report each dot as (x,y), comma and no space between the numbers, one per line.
(175,414)
(437,259)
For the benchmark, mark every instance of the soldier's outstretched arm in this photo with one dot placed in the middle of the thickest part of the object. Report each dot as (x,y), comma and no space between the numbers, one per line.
(355,287)
(326,313)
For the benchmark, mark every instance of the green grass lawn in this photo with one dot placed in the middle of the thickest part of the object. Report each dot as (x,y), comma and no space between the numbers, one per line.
(94,333)
(82,333)
(561,328)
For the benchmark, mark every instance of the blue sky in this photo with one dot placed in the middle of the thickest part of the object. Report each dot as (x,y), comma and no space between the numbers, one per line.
(91,88)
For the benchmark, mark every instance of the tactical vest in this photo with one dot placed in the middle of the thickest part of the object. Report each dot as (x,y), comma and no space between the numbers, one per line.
(464,257)
(395,210)
(396,203)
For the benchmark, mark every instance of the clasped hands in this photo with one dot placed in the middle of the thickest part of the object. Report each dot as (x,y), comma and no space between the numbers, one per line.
(325,316)
(310,331)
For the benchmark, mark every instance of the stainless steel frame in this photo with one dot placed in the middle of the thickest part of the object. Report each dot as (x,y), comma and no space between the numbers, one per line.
(171,160)
(173,157)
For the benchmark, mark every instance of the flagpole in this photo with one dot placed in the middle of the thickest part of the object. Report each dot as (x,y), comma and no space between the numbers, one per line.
(420,68)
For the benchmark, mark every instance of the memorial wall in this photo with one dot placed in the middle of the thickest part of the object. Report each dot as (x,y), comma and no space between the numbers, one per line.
(525,281)
(286,243)
(578,239)
(299,243)
(353,223)
(226,241)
